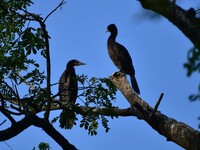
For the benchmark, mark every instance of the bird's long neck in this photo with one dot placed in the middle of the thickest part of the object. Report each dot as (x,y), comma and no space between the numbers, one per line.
(111,40)
(113,36)
(70,68)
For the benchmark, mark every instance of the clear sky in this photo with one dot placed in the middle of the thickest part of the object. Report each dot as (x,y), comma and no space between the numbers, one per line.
(158,50)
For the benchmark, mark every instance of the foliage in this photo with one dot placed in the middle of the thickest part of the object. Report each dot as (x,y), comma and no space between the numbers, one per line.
(99,93)
(192,66)
(22,41)
(43,146)
(96,93)
(18,41)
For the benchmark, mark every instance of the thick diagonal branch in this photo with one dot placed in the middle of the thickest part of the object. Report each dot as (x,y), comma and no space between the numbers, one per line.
(53,133)
(15,129)
(29,120)
(185,20)
(175,131)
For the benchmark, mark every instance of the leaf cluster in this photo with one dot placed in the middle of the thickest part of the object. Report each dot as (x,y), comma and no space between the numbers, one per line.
(97,92)
(90,122)
(19,43)
(43,146)
(192,66)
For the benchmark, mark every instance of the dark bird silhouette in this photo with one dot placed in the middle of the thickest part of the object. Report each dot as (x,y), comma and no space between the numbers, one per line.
(121,57)
(68,91)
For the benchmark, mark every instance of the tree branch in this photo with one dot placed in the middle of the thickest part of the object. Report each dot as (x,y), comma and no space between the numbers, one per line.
(29,120)
(175,131)
(48,65)
(107,111)
(185,20)
(5,113)
(59,5)
(157,104)
(83,109)
(48,60)
(53,133)
(15,129)
(2,122)
(10,88)
(24,80)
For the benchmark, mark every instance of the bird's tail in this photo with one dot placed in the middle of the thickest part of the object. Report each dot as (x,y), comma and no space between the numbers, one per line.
(67,118)
(134,84)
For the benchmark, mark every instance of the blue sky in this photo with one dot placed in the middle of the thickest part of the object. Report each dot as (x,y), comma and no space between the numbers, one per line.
(158,50)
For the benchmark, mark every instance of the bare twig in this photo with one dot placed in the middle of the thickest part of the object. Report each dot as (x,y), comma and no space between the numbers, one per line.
(8,145)
(157,104)
(59,5)
(5,113)
(10,88)
(25,81)
(20,112)
(55,95)
(2,122)
(2,101)
(19,102)
(80,88)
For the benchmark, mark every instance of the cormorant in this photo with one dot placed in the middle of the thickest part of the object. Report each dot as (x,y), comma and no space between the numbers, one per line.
(68,90)
(120,56)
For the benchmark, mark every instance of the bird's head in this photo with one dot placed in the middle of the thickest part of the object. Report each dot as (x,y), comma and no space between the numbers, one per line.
(74,62)
(112,28)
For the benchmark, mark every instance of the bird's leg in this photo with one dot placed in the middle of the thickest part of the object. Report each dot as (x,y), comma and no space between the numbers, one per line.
(121,72)
(115,73)
(118,73)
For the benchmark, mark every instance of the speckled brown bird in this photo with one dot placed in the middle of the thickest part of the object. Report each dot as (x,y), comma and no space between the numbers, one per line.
(68,90)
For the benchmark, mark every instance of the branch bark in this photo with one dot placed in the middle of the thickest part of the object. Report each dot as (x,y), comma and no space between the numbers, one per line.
(107,111)
(15,129)
(29,120)
(185,20)
(5,113)
(53,133)
(48,59)
(174,131)
(83,109)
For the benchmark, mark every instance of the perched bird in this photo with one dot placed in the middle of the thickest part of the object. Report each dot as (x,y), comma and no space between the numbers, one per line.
(120,56)
(68,91)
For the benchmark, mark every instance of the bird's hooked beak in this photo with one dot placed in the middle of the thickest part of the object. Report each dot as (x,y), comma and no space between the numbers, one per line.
(107,31)
(80,63)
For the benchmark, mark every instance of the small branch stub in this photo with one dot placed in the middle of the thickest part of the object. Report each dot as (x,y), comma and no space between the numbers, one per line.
(157,105)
